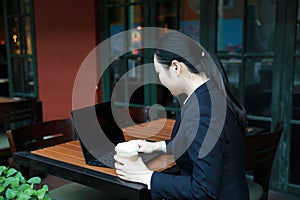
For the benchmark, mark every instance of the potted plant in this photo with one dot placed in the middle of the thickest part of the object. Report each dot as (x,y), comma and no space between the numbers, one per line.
(14,186)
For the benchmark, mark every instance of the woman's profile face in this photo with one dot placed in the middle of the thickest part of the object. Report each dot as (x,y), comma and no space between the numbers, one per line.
(164,76)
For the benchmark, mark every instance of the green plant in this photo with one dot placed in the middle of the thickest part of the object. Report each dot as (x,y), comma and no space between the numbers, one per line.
(14,186)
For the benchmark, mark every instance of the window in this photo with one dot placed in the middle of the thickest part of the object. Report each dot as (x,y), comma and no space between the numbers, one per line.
(133,14)
(20,48)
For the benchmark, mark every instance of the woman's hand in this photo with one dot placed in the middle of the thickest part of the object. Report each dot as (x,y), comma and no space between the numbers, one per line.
(135,171)
(147,147)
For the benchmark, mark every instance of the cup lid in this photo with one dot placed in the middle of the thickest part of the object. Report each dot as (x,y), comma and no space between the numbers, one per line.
(127,147)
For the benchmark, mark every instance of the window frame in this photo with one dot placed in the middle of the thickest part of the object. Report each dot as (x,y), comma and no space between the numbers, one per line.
(22,56)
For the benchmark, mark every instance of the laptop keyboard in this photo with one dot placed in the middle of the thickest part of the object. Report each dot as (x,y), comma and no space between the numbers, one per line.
(105,161)
(109,161)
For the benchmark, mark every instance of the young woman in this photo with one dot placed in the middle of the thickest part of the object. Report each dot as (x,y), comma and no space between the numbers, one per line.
(207,138)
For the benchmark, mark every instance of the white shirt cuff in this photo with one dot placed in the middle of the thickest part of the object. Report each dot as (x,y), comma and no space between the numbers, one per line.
(163,146)
(149,182)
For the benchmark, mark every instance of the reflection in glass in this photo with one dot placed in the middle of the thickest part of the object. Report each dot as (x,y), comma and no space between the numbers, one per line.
(15,35)
(230,26)
(23,75)
(166,14)
(12,7)
(260,26)
(17,71)
(233,71)
(24,6)
(296,91)
(129,76)
(115,2)
(190,18)
(18,7)
(258,86)
(117,25)
(27,49)
(28,75)
(298,28)
(124,17)
(120,2)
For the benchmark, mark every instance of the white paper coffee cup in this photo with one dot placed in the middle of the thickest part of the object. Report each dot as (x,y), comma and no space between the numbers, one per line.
(127,150)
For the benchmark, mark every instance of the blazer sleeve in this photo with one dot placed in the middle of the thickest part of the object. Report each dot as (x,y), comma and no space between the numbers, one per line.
(205,179)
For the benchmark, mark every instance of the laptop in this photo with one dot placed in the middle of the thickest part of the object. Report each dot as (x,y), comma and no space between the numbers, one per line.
(99,133)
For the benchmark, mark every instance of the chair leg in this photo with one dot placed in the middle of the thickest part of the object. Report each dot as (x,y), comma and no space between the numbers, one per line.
(4,160)
(264,196)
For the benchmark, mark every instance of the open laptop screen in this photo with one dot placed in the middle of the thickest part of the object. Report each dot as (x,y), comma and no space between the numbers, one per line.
(97,130)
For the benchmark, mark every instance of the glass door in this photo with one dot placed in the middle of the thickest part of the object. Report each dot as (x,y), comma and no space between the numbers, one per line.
(245,45)
(20,48)
(134,15)
(124,15)
(294,163)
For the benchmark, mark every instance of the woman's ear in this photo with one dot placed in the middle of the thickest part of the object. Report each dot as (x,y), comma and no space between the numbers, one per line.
(176,66)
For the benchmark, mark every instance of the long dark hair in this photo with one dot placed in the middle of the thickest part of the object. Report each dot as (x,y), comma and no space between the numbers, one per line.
(177,46)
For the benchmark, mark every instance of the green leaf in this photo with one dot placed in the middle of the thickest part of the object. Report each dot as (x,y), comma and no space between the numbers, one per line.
(45,187)
(10,194)
(23,187)
(2,188)
(14,184)
(1,198)
(10,181)
(2,169)
(23,197)
(34,180)
(20,177)
(41,193)
(29,191)
(11,172)
(2,179)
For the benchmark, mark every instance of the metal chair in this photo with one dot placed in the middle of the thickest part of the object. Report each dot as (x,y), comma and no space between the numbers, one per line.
(260,153)
(46,134)
(14,114)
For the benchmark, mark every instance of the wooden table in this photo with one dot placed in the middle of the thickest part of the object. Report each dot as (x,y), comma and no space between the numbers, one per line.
(67,161)
(7,99)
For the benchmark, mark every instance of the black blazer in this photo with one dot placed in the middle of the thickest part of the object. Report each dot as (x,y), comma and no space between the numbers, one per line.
(218,174)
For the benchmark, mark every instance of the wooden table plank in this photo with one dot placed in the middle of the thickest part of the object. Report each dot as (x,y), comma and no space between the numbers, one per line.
(7,99)
(71,160)
(157,130)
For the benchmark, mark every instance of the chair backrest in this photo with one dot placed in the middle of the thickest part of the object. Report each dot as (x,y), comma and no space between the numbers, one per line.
(260,153)
(139,115)
(17,113)
(41,135)
(14,114)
